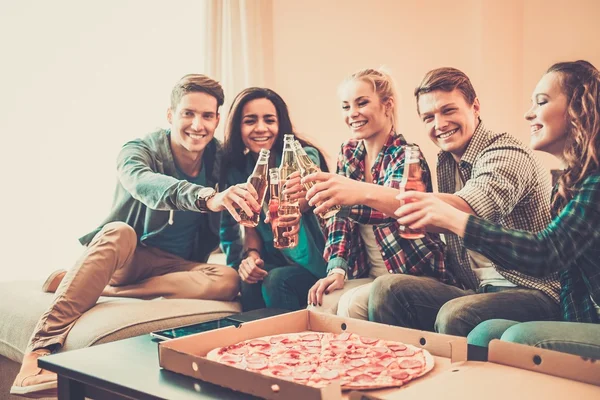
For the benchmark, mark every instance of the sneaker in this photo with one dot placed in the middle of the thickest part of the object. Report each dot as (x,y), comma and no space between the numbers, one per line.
(32,381)
(53,281)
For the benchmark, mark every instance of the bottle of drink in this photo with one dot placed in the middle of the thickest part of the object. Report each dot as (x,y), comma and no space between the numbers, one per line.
(258,179)
(279,241)
(306,167)
(288,208)
(412,180)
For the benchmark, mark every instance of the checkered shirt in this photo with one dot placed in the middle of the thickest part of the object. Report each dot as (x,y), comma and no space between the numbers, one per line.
(505,184)
(345,247)
(570,245)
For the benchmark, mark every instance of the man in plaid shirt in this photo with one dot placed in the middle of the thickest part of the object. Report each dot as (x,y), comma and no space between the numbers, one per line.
(488,174)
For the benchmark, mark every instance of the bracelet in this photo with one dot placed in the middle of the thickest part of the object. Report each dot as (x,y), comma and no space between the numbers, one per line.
(248,250)
(338,271)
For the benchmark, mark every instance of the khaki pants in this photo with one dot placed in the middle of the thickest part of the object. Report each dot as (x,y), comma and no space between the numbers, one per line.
(355,302)
(113,265)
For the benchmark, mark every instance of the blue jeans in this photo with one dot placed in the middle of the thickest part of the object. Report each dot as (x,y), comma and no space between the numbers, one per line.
(568,337)
(284,287)
(424,303)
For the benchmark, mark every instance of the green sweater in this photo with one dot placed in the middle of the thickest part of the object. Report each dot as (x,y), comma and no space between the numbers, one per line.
(149,189)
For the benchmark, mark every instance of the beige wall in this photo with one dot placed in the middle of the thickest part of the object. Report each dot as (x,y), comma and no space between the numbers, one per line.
(504,46)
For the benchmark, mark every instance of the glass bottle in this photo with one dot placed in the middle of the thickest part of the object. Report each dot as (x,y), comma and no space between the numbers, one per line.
(258,179)
(279,241)
(306,167)
(412,180)
(288,208)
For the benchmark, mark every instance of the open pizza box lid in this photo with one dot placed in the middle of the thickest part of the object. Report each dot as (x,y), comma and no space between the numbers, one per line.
(513,371)
(186,355)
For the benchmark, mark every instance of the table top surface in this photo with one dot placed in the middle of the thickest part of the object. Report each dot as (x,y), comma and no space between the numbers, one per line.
(130,367)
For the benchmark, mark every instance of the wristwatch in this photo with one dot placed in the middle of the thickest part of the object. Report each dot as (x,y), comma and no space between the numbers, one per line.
(203,196)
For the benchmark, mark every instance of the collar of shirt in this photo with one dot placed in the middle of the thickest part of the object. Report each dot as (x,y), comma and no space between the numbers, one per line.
(356,157)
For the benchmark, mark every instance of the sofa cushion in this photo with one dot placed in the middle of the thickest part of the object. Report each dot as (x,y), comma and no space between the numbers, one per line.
(22,303)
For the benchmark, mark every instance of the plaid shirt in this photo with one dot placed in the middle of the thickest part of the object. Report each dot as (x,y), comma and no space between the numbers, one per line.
(504,184)
(345,248)
(570,245)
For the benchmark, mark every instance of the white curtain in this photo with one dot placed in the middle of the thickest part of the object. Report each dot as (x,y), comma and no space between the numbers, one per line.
(238,46)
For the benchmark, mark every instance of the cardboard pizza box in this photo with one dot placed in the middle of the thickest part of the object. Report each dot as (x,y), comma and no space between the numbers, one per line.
(187,354)
(513,371)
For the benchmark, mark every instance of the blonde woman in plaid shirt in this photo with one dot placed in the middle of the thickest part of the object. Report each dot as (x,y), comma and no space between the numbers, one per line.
(363,239)
(482,173)
(565,122)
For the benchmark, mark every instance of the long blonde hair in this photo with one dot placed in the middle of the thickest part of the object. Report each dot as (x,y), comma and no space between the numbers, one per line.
(580,82)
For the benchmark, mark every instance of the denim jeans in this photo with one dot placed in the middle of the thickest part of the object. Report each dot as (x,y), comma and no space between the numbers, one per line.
(284,287)
(567,337)
(427,304)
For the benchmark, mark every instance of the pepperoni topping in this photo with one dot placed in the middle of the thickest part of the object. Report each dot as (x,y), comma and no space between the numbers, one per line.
(231,358)
(363,378)
(357,362)
(310,337)
(343,336)
(385,362)
(329,375)
(304,368)
(277,339)
(402,375)
(256,365)
(301,376)
(376,369)
(397,347)
(258,342)
(356,371)
(405,353)
(411,363)
(289,361)
(368,340)
(281,370)
(355,355)
(240,350)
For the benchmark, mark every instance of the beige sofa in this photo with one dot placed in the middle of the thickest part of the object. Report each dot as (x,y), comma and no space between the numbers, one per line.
(23,302)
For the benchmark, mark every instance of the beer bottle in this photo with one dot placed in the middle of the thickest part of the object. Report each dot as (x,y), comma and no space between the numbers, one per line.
(279,241)
(412,180)
(288,208)
(306,167)
(258,179)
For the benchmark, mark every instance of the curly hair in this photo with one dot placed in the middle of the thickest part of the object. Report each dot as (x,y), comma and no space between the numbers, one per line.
(580,82)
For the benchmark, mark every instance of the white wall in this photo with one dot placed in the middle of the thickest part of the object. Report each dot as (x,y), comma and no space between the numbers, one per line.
(504,47)
(77,80)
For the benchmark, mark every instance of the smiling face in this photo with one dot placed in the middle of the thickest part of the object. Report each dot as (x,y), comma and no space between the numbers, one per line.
(193,122)
(548,116)
(449,120)
(363,111)
(260,125)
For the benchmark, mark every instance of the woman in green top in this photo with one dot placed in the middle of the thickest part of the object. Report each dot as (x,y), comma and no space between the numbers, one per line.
(271,277)
(565,122)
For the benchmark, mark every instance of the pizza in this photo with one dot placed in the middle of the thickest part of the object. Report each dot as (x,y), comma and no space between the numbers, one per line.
(317,358)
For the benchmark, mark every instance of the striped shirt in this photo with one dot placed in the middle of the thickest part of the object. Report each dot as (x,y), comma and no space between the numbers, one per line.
(569,245)
(345,247)
(504,184)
